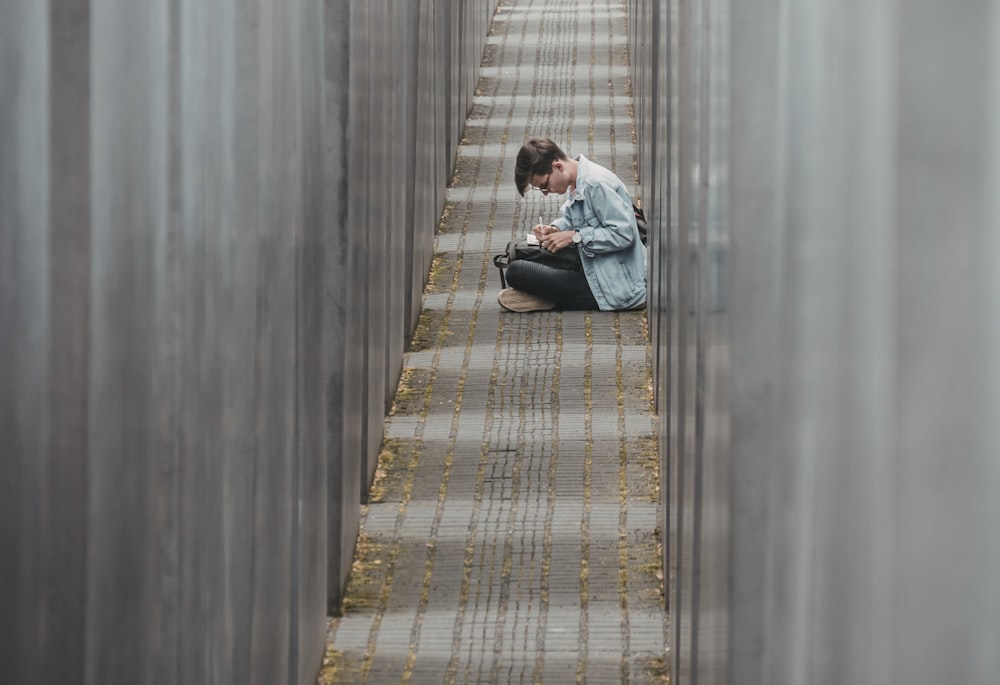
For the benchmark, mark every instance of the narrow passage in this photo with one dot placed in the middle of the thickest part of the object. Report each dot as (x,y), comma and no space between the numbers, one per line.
(511,534)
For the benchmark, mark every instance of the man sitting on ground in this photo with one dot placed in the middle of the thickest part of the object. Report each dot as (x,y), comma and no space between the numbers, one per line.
(597,219)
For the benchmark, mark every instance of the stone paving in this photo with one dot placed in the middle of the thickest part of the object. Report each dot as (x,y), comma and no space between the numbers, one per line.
(511,535)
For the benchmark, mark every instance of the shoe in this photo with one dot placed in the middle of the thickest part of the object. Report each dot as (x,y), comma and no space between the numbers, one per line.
(514,300)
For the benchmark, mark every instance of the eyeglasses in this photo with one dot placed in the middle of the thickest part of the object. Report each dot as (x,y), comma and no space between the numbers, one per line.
(544,188)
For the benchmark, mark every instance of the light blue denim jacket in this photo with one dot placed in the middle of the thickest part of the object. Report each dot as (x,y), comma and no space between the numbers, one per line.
(613,256)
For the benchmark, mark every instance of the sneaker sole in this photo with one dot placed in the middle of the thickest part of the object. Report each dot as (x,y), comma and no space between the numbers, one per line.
(521,302)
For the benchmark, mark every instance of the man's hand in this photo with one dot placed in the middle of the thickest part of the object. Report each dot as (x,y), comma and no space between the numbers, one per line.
(541,230)
(551,238)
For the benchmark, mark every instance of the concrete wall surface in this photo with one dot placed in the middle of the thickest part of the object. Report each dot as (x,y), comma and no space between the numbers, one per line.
(216,219)
(824,186)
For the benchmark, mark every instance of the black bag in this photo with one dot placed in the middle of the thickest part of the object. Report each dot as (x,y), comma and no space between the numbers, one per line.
(640,221)
(566,258)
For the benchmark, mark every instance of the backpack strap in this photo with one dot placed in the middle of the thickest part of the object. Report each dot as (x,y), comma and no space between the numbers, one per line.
(640,222)
(501,262)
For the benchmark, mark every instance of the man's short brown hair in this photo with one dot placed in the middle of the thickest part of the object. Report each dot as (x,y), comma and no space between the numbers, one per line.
(535,159)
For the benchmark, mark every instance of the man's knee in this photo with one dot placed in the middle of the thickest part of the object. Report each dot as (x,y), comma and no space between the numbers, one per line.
(515,273)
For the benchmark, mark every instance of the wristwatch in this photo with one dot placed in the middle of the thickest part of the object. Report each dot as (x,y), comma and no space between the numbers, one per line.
(576,237)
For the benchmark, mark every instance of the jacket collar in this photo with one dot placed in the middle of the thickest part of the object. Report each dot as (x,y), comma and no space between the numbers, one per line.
(582,174)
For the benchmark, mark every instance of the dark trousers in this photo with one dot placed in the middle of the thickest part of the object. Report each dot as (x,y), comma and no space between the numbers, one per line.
(568,289)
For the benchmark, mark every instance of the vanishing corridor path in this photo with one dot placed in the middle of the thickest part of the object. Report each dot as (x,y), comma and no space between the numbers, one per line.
(511,534)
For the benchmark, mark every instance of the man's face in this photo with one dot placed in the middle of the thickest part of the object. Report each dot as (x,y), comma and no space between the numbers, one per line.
(556,181)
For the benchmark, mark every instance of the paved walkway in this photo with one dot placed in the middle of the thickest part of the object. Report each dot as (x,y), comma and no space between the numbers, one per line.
(511,536)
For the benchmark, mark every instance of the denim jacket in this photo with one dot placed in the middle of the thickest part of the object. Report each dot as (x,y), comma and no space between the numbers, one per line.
(613,256)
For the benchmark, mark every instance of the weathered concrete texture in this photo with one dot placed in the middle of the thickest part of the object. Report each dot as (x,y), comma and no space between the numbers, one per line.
(215,219)
(399,79)
(829,425)
(511,534)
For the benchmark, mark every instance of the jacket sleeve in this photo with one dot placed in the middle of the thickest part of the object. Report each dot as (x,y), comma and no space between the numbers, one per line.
(609,221)
(565,221)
